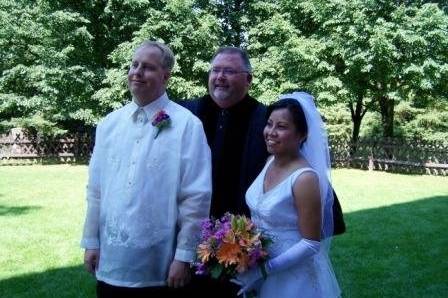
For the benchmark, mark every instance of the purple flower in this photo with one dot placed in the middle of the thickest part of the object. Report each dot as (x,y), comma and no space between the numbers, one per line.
(201,269)
(254,256)
(229,245)
(206,229)
(161,120)
(220,234)
(227,217)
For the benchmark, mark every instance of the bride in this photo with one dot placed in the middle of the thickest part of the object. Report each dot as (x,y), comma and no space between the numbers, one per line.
(291,200)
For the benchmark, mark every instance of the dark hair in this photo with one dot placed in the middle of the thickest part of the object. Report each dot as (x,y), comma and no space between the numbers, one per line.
(296,111)
(235,51)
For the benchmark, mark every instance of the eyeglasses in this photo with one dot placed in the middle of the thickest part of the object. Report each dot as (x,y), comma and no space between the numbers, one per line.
(226,71)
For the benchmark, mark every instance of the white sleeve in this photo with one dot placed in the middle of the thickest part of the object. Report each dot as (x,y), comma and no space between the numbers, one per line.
(90,237)
(195,189)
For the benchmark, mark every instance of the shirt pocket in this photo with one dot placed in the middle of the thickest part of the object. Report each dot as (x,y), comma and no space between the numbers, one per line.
(162,156)
(113,161)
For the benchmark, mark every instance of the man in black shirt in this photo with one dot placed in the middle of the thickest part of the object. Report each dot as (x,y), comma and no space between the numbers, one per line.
(233,123)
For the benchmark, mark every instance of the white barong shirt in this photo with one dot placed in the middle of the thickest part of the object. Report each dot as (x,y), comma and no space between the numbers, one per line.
(146,196)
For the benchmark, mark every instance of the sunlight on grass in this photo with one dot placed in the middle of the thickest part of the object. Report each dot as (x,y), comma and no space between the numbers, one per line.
(41,215)
(359,190)
(394,244)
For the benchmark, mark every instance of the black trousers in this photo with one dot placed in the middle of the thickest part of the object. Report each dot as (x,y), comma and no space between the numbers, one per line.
(207,287)
(104,290)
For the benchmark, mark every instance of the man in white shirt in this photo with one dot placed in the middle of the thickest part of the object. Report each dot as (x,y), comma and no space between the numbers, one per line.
(149,187)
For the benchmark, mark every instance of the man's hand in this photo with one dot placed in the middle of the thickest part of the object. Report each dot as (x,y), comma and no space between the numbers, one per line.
(91,259)
(179,274)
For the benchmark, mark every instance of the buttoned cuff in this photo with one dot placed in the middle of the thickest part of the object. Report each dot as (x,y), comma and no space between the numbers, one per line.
(184,255)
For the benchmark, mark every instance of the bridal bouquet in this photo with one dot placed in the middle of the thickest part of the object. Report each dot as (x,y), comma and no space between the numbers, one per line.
(230,245)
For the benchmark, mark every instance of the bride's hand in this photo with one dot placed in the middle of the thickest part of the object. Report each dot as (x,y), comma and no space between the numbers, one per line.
(248,280)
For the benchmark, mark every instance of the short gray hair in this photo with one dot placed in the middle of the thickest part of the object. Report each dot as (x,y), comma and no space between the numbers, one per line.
(167,55)
(235,51)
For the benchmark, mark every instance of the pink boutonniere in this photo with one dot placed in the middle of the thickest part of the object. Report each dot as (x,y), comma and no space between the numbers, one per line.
(161,120)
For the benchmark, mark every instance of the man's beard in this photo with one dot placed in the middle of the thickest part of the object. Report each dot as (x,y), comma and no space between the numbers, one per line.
(221,95)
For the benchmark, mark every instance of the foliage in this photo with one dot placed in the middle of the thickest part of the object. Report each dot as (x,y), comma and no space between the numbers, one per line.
(43,75)
(387,52)
(427,124)
(63,63)
(337,121)
(193,38)
(369,55)
(430,124)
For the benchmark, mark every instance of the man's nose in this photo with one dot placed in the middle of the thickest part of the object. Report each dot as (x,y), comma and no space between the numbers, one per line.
(137,70)
(220,75)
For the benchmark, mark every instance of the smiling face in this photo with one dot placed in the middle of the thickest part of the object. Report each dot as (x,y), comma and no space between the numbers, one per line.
(281,134)
(228,80)
(147,78)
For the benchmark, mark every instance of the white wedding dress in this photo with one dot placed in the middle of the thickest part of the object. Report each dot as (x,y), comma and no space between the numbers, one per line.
(275,213)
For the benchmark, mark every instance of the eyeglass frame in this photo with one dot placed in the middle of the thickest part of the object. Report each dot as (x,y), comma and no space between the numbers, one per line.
(226,71)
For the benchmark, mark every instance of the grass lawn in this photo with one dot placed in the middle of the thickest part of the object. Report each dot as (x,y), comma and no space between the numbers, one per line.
(395,246)
(41,217)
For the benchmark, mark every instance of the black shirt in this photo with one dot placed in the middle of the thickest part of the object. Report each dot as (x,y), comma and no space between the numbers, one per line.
(227,131)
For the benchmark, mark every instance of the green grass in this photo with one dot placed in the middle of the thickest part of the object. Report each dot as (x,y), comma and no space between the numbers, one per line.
(41,217)
(395,245)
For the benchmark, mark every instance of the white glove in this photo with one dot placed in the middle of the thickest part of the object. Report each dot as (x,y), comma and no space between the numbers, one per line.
(248,280)
(252,278)
(303,249)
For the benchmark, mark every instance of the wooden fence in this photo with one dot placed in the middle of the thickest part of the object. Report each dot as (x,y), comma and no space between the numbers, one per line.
(17,148)
(395,155)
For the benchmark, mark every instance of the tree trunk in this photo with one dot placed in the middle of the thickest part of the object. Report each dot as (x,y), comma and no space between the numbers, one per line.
(387,115)
(357,114)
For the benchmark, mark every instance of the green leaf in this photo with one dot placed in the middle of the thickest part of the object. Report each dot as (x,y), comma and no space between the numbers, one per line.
(216,271)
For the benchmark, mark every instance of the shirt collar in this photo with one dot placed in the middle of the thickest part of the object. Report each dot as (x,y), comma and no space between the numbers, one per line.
(240,108)
(151,108)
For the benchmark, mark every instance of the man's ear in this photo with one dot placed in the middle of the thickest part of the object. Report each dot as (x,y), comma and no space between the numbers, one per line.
(249,79)
(166,76)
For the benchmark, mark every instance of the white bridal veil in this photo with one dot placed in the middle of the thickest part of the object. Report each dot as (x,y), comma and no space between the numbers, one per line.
(315,150)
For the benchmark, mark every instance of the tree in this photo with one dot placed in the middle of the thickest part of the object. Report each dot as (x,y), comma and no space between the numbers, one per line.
(40,67)
(63,63)
(369,54)
(193,35)
(233,18)
(385,52)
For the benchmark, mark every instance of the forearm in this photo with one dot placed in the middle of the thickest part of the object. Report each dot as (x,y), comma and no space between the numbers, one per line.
(90,238)
(195,192)
(299,252)
(192,211)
